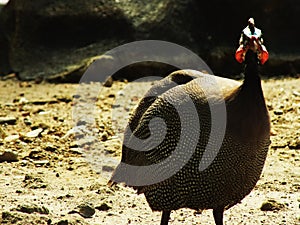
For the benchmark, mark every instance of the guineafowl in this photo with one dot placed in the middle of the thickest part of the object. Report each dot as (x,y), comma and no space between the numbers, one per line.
(179,179)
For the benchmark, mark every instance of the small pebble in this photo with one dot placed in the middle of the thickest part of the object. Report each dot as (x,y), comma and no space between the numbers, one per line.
(41,162)
(12,138)
(76,151)
(107,168)
(43,126)
(296,93)
(121,93)
(9,156)
(23,162)
(32,208)
(65,99)
(104,136)
(62,222)
(44,102)
(278,112)
(271,205)
(36,154)
(23,100)
(76,96)
(108,82)
(27,121)
(294,144)
(34,133)
(8,120)
(50,148)
(86,210)
(103,207)
(7,216)
(74,145)
(81,123)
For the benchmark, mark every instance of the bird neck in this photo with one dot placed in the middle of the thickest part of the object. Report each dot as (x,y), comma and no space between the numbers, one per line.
(249,107)
(252,81)
(252,29)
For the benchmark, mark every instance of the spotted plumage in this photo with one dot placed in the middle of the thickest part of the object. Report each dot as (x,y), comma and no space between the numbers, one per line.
(239,162)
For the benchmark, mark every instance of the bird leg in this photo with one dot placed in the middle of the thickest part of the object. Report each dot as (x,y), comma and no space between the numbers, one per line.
(165,217)
(218,215)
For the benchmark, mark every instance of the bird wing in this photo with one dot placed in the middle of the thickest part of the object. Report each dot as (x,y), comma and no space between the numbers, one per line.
(178,109)
(176,78)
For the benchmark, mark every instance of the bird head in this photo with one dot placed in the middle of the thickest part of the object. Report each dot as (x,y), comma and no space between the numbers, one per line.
(251,22)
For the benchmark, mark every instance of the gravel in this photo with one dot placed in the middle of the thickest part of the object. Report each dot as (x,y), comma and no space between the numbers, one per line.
(55,170)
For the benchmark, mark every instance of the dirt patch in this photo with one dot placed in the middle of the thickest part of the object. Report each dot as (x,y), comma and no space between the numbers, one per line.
(55,176)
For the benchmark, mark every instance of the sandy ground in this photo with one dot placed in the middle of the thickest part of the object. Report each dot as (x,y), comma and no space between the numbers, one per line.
(54,170)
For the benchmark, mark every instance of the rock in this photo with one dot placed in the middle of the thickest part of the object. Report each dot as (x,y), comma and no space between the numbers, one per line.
(23,162)
(33,182)
(44,113)
(43,126)
(121,93)
(44,101)
(27,121)
(10,218)
(28,177)
(78,151)
(50,148)
(74,145)
(104,207)
(296,93)
(65,99)
(271,205)
(86,210)
(34,133)
(108,82)
(32,208)
(9,156)
(23,100)
(295,143)
(70,221)
(12,138)
(41,162)
(8,120)
(20,218)
(108,168)
(36,154)
(114,106)
(86,15)
(104,136)
(65,196)
(40,54)
(38,110)
(81,123)
(278,112)
(62,222)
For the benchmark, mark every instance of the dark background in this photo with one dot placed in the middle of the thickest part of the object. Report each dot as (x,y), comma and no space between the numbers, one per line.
(51,39)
